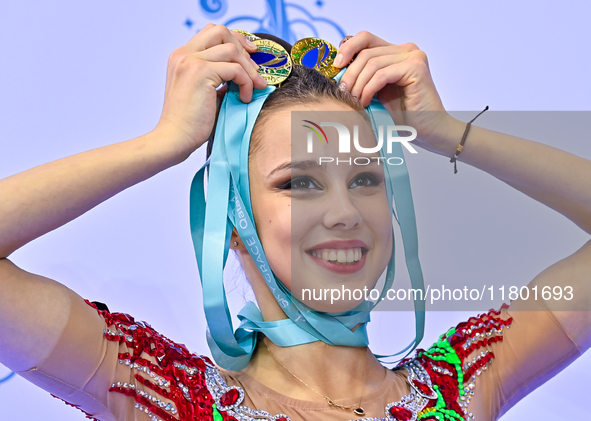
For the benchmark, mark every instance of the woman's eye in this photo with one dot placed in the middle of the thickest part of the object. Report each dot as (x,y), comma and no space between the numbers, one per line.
(364,180)
(300,183)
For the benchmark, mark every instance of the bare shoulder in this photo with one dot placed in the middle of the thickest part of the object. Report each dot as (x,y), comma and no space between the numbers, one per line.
(33,312)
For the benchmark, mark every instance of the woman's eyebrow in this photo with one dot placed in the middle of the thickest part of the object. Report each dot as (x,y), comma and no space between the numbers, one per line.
(308,164)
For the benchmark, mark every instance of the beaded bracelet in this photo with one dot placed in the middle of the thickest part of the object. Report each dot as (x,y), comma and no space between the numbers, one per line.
(461,145)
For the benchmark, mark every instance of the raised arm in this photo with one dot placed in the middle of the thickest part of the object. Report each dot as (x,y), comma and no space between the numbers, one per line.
(400,75)
(544,338)
(39,200)
(33,309)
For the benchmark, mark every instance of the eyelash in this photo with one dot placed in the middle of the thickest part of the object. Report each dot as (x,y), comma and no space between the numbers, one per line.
(374,181)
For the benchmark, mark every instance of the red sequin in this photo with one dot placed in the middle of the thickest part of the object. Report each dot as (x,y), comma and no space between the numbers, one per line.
(230,397)
(422,387)
(179,376)
(466,337)
(400,413)
(184,372)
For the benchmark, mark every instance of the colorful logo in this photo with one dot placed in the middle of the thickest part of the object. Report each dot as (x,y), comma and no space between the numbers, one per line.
(315,129)
(388,138)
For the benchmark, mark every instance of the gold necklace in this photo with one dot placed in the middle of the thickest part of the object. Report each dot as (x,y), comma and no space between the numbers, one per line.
(357,409)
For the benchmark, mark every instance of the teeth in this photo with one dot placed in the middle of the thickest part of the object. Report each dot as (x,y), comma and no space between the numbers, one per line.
(339,255)
(350,256)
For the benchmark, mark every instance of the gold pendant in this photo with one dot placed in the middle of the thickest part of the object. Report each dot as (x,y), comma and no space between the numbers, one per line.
(275,63)
(359,411)
(316,54)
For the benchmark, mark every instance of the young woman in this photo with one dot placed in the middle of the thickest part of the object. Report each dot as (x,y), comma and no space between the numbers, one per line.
(114,368)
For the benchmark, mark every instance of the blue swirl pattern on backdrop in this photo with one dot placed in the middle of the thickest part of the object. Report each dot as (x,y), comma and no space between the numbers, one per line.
(288,21)
(214,9)
(5,379)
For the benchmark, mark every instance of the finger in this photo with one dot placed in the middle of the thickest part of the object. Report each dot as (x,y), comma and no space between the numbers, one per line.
(395,73)
(347,38)
(245,42)
(352,73)
(236,73)
(205,28)
(229,53)
(409,46)
(219,34)
(354,45)
(200,33)
(372,66)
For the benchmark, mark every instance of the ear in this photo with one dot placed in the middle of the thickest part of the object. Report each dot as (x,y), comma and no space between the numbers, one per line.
(236,242)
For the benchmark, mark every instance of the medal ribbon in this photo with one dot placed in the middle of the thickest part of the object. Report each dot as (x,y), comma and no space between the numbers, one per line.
(228,206)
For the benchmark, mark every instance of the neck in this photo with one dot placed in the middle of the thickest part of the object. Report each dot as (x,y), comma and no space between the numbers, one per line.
(339,372)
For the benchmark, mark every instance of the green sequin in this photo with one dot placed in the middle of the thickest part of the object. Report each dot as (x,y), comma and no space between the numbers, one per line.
(216,414)
(443,351)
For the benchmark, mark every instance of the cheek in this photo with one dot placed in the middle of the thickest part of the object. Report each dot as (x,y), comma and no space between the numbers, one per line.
(273,220)
(377,216)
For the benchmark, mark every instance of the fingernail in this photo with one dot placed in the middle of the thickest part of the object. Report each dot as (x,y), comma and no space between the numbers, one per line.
(347,38)
(250,43)
(256,66)
(339,60)
(343,86)
(263,79)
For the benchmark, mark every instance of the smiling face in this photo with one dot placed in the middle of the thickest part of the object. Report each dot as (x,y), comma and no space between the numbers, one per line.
(323,226)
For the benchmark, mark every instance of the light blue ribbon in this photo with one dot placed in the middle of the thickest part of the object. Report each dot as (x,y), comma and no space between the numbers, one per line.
(228,205)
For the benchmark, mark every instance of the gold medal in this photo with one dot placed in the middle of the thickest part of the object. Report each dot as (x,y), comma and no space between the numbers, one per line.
(275,63)
(316,54)
(248,35)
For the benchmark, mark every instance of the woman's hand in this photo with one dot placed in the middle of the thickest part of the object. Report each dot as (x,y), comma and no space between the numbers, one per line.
(399,74)
(195,70)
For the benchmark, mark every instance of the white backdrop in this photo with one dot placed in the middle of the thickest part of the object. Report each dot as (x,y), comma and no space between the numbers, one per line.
(80,75)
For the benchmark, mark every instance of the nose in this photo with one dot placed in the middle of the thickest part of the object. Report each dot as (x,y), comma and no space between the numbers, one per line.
(341,210)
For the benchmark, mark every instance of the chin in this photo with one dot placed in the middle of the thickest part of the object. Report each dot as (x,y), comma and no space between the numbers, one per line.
(334,296)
